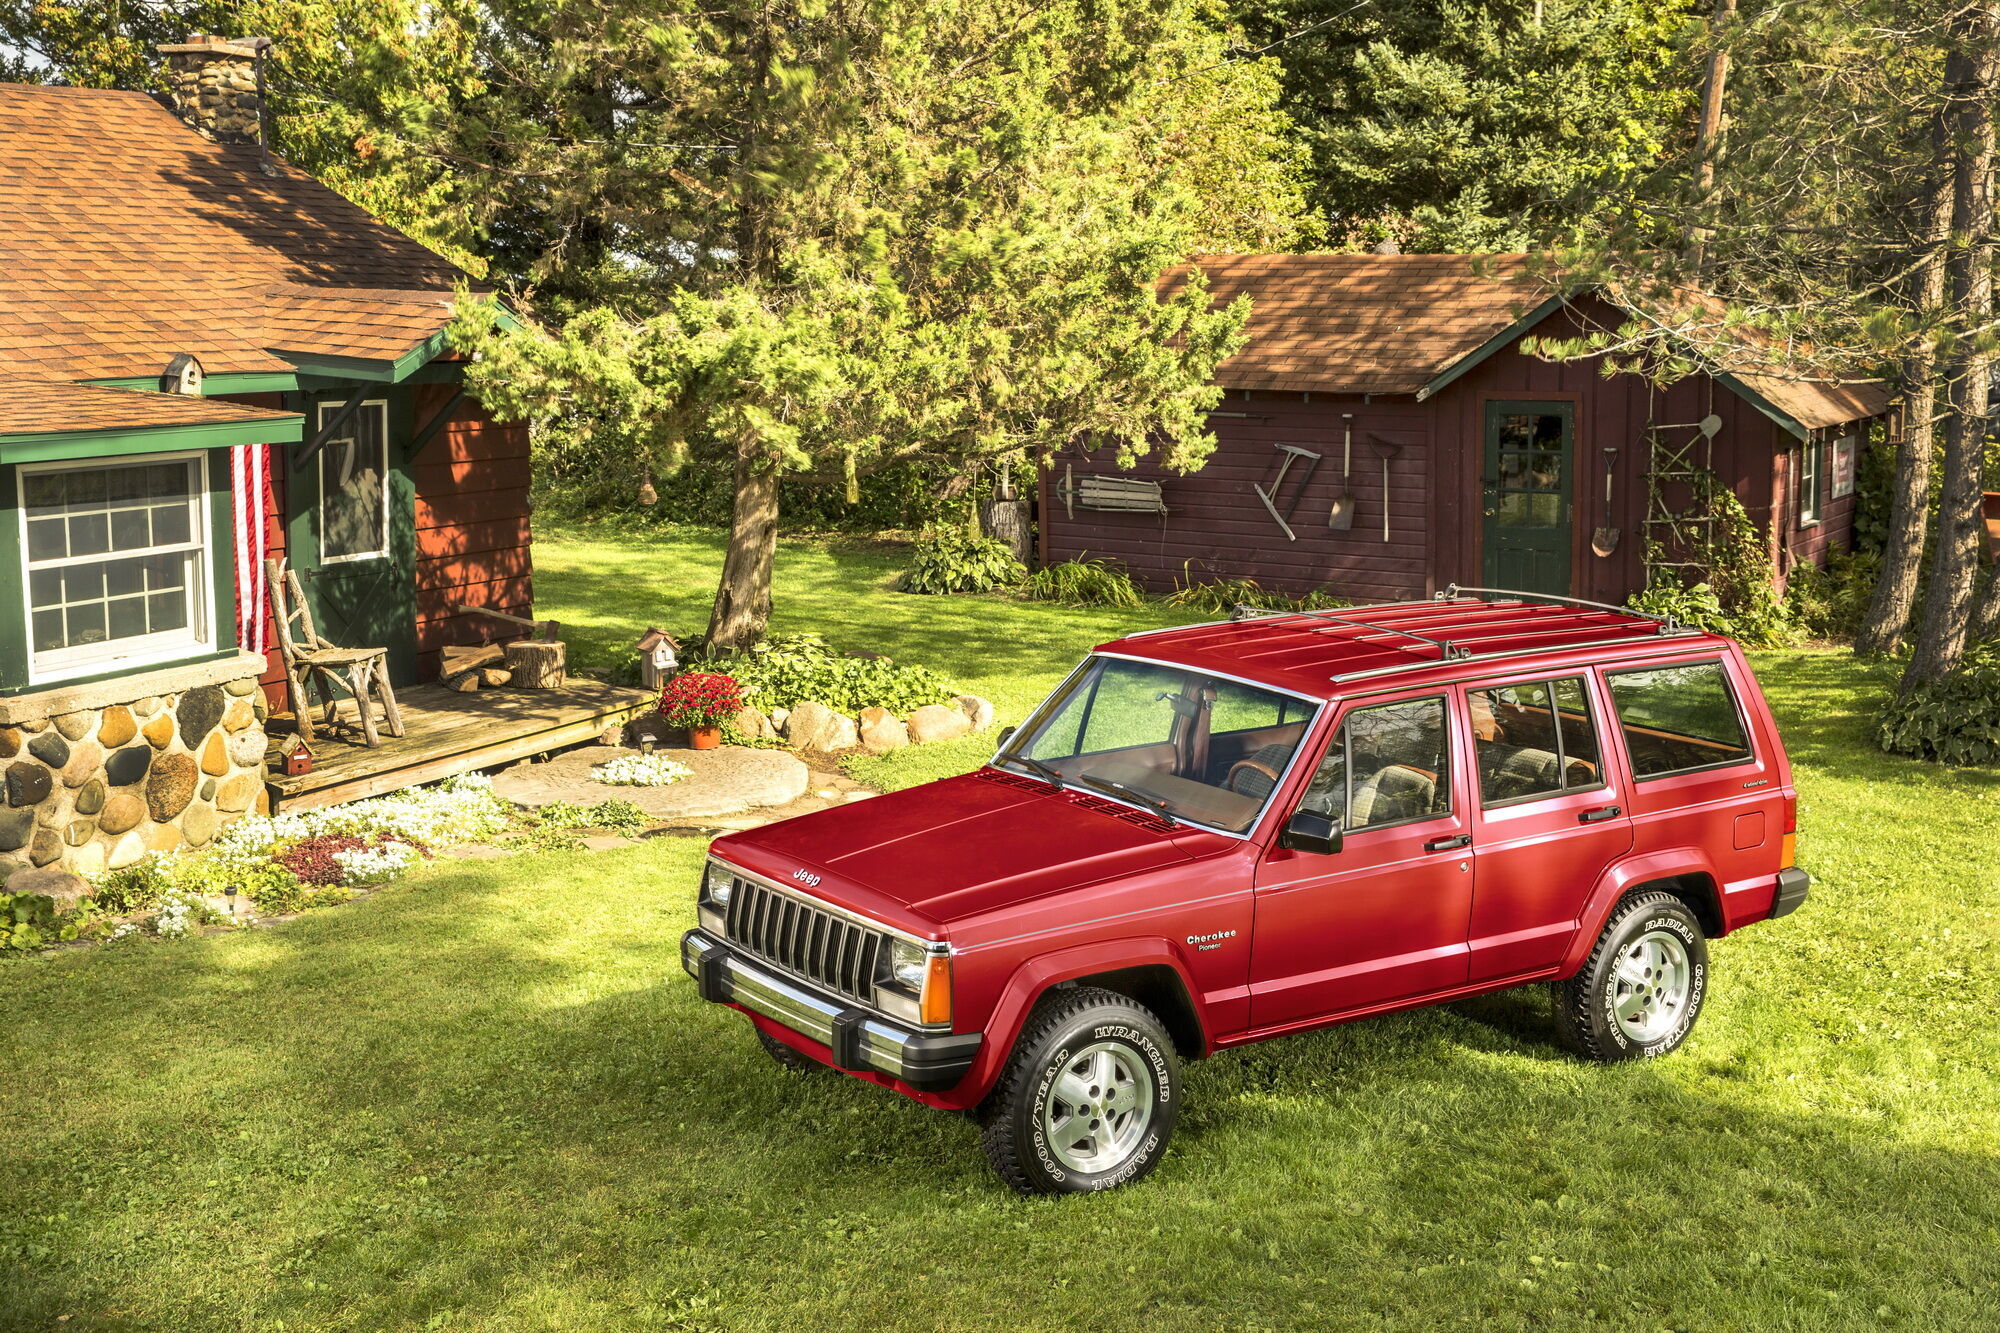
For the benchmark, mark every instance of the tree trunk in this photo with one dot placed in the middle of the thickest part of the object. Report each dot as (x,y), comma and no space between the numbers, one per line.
(1888,618)
(1708,134)
(1969,78)
(743,598)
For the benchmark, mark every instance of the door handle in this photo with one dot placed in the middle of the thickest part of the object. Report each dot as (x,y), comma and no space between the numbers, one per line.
(1446,844)
(1602,812)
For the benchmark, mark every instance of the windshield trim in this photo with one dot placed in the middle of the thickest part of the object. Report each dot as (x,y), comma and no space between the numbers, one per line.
(1270,802)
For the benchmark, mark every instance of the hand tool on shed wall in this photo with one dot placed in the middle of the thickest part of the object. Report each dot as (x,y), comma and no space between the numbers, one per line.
(1341,515)
(1270,498)
(1388,451)
(1605,540)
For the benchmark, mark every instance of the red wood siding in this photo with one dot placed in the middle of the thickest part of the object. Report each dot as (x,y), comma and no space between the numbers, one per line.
(1436,492)
(1215,518)
(473,540)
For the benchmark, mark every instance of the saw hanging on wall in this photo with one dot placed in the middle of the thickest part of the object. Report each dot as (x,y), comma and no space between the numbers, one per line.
(1271,498)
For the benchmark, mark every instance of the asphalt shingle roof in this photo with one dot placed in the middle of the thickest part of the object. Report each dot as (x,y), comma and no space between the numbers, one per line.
(33,407)
(1365,323)
(125,238)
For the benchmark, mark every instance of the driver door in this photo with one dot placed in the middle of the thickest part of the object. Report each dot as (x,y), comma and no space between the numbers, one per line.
(1385,917)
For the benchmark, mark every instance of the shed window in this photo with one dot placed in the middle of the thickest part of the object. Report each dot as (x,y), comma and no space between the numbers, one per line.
(117,563)
(354,486)
(1812,469)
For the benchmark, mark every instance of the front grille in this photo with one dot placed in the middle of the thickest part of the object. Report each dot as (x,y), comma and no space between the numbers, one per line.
(811,942)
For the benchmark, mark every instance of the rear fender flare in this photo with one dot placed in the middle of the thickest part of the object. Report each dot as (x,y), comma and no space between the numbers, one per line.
(1668,863)
(1034,977)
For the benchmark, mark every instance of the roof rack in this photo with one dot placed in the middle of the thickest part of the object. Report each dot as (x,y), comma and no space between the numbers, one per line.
(1448,649)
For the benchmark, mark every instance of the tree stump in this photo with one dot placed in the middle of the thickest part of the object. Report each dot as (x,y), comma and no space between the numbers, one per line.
(536,665)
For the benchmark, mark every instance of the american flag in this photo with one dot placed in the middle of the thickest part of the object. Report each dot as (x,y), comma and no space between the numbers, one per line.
(250,475)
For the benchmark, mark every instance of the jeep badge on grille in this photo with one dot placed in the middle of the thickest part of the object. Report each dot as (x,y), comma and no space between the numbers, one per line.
(807,878)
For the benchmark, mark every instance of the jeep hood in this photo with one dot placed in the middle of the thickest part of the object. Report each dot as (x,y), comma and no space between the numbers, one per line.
(959,847)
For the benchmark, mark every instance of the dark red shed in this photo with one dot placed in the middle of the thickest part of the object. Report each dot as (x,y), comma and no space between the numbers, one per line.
(1408,367)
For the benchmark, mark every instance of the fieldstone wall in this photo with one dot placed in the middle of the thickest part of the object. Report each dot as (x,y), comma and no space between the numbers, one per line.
(213,83)
(98,788)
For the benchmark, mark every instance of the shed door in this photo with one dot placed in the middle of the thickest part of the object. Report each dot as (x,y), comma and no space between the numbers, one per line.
(351,536)
(1530,450)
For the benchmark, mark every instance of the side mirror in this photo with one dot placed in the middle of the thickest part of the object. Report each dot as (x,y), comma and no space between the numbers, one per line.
(1006,734)
(1311,831)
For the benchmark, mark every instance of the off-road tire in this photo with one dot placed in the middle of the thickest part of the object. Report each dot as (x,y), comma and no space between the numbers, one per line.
(797,1062)
(1065,1024)
(1587,1004)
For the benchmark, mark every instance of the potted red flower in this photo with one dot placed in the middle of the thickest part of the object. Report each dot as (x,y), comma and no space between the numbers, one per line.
(701,701)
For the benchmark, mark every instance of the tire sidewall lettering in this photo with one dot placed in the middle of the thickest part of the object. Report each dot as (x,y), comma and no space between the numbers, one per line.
(1051,1068)
(1698,983)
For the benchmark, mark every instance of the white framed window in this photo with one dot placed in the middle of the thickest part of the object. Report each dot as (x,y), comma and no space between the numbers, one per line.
(354,485)
(117,563)
(1812,470)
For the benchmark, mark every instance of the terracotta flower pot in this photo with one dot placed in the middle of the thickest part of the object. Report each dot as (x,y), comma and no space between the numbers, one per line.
(704,738)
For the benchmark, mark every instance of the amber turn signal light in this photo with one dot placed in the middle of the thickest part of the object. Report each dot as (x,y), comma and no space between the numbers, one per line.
(935,1004)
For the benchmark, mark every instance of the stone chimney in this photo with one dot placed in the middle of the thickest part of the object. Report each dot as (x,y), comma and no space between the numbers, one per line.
(217,85)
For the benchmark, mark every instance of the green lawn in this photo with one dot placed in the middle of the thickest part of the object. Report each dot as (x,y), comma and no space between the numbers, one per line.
(486,1098)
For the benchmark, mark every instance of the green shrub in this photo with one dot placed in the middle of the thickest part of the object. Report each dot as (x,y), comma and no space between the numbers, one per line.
(1084,582)
(32,920)
(1955,720)
(1765,625)
(1830,603)
(139,885)
(1222,595)
(787,669)
(955,560)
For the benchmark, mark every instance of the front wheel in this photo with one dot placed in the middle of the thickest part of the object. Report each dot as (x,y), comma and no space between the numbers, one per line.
(1088,1099)
(1642,988)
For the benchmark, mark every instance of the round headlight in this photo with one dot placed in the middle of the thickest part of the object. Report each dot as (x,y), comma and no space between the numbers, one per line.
(717,881)
(906,965)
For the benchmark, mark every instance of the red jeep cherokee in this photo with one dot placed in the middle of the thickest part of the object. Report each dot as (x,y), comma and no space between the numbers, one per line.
(1216,834)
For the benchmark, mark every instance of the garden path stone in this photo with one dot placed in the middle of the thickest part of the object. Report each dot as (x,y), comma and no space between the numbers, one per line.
(726,780)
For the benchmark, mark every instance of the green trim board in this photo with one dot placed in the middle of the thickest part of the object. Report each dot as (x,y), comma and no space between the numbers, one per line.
(351,368)
(228,382)
(55,446)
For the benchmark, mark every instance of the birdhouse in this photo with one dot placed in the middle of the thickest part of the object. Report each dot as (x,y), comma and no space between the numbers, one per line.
(294,758)
(656,656)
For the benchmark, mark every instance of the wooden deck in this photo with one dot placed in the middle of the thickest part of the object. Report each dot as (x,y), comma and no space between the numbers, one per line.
(446,733)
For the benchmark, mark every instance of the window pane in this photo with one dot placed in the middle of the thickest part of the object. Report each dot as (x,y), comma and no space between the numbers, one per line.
(170,525)
(45,539)
(1582,760)
(83,583)
(129,530)
(1514,742)
(167,611)
(48,630)
(43,493)
(85,624)
(1242,707)
(1128,709)
(124,577)
(1676,718)
(85,488)
(45,587)
(126,616)
(353,481)
(89,534)
(1397,766)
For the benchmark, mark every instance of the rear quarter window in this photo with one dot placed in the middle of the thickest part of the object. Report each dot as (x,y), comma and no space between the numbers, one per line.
(1678,718)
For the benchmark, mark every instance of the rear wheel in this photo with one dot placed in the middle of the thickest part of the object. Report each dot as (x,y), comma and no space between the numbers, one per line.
(1089,1098)
(1642,988)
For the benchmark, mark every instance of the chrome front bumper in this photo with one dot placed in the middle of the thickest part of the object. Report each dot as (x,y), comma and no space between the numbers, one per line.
(860,1040)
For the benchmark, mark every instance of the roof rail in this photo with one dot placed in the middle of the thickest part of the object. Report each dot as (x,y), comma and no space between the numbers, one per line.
(1669,625)
(1341,615)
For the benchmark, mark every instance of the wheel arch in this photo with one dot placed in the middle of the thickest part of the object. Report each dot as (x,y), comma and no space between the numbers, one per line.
(1684,872)
(1161,990)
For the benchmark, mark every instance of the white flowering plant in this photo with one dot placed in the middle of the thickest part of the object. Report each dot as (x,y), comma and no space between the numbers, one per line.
(640,770)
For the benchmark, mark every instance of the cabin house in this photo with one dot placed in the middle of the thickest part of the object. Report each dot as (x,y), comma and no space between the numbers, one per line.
(208,360)
(1383,435)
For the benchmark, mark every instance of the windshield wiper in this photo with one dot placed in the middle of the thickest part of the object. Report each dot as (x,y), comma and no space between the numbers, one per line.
(1157,804)
(1038,768)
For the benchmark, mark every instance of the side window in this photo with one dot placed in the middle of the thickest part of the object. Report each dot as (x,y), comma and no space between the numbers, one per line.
(1241,708)
(1677,718)
(1389,764)
(1531,739)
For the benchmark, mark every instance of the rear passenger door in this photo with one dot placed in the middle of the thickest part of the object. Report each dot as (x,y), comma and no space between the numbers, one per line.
(1550,818)
(1698,780)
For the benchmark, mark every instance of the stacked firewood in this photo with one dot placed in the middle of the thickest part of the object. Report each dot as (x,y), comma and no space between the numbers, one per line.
(468,667)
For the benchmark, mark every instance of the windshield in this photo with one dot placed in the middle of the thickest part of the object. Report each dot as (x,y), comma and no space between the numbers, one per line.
(1193,747)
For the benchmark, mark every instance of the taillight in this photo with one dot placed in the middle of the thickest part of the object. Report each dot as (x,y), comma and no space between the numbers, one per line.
(1789,845)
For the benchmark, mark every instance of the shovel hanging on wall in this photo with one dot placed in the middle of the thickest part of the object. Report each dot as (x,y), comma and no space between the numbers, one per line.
(1605,540)
(1341,516)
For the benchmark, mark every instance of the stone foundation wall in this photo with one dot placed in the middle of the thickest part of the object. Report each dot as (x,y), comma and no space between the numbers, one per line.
(98,788)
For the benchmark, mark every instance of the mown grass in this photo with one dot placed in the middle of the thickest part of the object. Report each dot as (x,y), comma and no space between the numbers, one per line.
(487,1099)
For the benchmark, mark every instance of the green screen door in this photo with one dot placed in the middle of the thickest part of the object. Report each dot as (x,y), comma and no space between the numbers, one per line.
(351,539)
(1529,453)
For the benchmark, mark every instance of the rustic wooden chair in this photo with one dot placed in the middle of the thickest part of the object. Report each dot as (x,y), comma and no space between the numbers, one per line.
(362,672)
